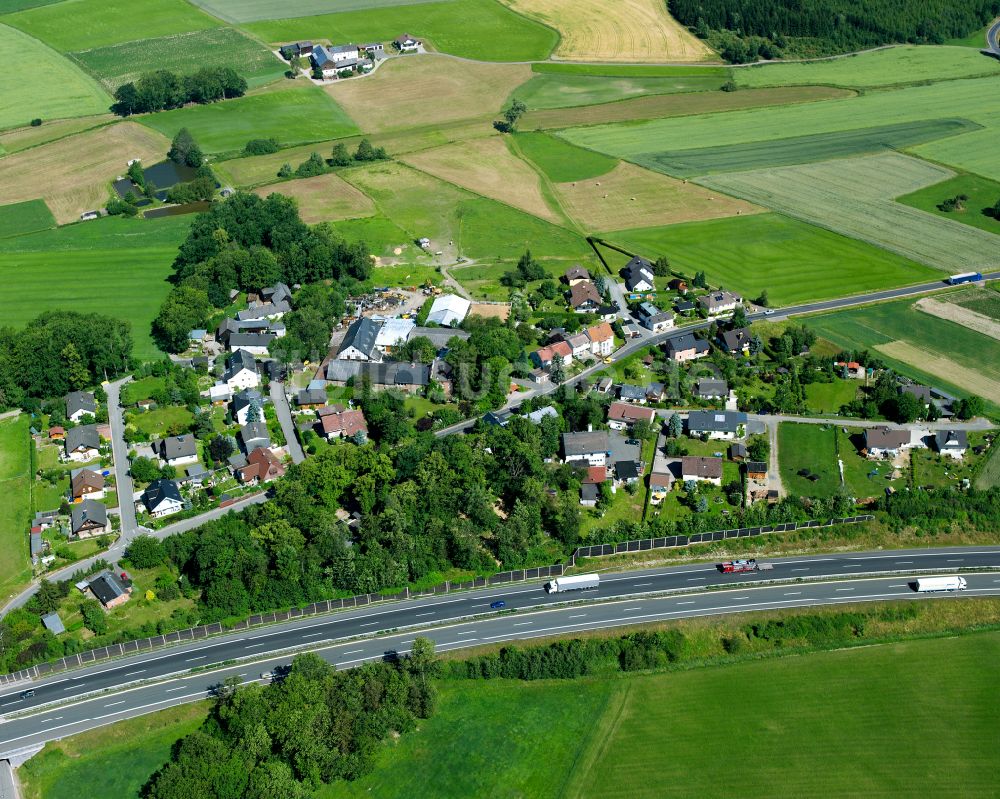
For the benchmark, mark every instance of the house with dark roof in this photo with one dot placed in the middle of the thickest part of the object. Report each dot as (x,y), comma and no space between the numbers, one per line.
(109,589)
(53,623)
(638,274)
(310,398)
(576,274)
(177,450)
(279,291)
(82,443)
(264,310)
(584,297)
(330,60)
(723,425)
(359,341)
(242,403)
(885,442)
(630,393)
(86,484)
(162,497)
(405,43)
(756,470)
(590,448)
(80,404)
(89,518)
(735,342)
(253,343)
(499,418)
(254,435)
(953,443)
(262,467)
(686,347)
(626,472)
(719,302)
(652,318)
(711,388)
(589,494)
(701,469)
(241,371)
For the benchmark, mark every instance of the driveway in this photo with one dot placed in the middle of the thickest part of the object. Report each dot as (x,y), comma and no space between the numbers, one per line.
(280,402)
(123,480)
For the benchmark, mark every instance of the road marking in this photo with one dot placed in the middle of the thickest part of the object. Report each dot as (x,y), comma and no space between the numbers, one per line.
(312,635)
(418,615)
(523,623)
(579,616)
(370,624)
(800,570)
(692,579)
(70,688)
(354,652)
(741,597)
(200,657)
(904,585)
(112,704)
(253,646)
(129,674)
(904,561)
(465,638)
(955,560)
(641,585)
(178,688)
(9,703)
(845,589)
(686,603)
(46,721)
(793,593)
(630,609)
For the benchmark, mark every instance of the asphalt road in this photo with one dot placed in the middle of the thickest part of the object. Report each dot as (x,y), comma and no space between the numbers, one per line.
(123,480)
(993,37)
(529,612)
(280,402)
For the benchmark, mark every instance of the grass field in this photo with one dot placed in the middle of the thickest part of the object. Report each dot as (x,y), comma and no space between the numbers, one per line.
(626,30)
(183,53)
(293,114)
(26,217)
(855,197)
(794,261)
(561,161)
(159,422)
(255,10)
(382,235)
(483,30)
(8,6)
(15,502)
(83,24)
(800,149)
(960,315)
(632,197)
(324,198)
(424,89)
(113,266)
(811,447)
(491,230)
(24,138)
(983,195)
(827,398)
(562,90)
(989,474)
(53,87)
(895,65)
(72,174)
(973,152)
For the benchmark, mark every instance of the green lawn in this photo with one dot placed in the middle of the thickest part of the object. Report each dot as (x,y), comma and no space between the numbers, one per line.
(381,234)
(82,24)
(224,47)
(255,10)
(15,502)
(827,398)
(294,114)
(493,230)
(484,30)
(159,423)
(808,447)
(561,161)
(562,90)
(26,217)
(143,388)
(793,260)
(48,86)
(114,266)
(983,194)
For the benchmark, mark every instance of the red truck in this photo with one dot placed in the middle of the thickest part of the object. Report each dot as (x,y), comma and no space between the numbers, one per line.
(739,566)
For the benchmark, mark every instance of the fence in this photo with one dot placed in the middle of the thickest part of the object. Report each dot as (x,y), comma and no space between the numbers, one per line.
(555,570)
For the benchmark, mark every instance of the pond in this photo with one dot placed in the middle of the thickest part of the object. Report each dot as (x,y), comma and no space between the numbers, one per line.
(163,175)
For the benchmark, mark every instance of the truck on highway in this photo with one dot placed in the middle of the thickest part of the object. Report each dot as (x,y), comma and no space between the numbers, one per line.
(927,584)
(577,582)
(964,277)
(739,566)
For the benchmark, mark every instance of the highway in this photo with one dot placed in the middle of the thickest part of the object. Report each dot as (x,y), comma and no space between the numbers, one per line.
(993,38)
(465,619)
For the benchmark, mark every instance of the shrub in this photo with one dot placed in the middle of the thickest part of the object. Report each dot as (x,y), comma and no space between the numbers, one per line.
(36,122)
(261,146)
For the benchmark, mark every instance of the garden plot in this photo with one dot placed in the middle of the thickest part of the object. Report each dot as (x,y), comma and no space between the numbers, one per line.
(854,196)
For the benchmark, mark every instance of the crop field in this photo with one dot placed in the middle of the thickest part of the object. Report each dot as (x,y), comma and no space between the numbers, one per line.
(794,261)
(83,24)
(255,10)
(558,90)
(17,139)
(676,105)
(52,88)
(424,89)
(183,53)
(631,70)
(488,168)
(960,316)
(935,351)
(559,160)
(15,502)
(9,6)
(800,149)
(855,197)
(113,266)
(974,152)
(626,30)
(892,66)
(632,197)
(293,115)
(982,194)
(324,198)
(483,30)
(27,217)
(72,174)
(982,301)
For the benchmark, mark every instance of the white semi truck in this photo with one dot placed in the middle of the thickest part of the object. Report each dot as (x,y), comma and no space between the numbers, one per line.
(575,583)
(927,584)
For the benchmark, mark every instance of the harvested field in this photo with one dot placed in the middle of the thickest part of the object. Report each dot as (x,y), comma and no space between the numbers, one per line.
(854,196)
(425,89)
(631,197)
(960,316)
(676,105)
(72,174)
(625,30)
(18,139)
(970,379)
(490,310)
(487,167)
(324,198)
(983,301)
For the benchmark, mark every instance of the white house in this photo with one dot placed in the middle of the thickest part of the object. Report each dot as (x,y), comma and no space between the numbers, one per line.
(591,448)
(82,443)
(720,425)
(331,60)
(161,498)
(449,309)
(622,415)
(699,469)
(654,319)
(241,372)
(638,275)
(253,343)
(602,339)
(952,443)
(359,343)
(177,450)
(720,302)
(80,404)
(243,401)
(578,344)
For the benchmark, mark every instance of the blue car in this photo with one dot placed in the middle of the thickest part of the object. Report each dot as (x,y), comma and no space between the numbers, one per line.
(498,604)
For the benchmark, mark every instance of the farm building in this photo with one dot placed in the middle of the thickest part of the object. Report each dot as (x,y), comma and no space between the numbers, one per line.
(448,310)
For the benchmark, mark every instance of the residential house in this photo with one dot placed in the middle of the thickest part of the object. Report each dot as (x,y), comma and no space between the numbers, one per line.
(686,347)
(630,393)
(589,494)
(660,484)
(638,274)
(111,590)
(579,344)
(330,60)
(162,498)
(684,307)
(631,330)
(952,443)
(602,339)
(405,43)
(756,470)
(279,291)
(253,343)
(701,469)
(89,518)
(622,416)
(82,443)
(177,450)
(711,388)
(883,442)
(591,448)
(542,413)
(35,544)
(738,451)
(735,341)
(86,484)
(921,393)
(407,377)
(243,402)
(310,398)
(626,472)
(221,393)
(604,385)
(262,467)
(652,318)
(656,392)
(254,435)
(290,51)
(559,352)
(608,313)
(724,425)
(499,418)
(343,424)
(584,297)
(359,341)
(57,433)
(576,274)
(448,310)
(264,310)
(80,404)
(720,302)
(852,370)
(393,333)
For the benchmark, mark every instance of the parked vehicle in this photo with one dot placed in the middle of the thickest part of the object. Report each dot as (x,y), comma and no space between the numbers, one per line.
(577,582)
(927,584)
(739,566)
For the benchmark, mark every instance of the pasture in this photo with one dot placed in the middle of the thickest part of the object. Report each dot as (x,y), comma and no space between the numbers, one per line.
(559,160)
(974,152)
(27,217)
(72,174)
(83,24)
(629,70)
(794,261)
(17,139)
(52,88)
(983,194)
(183,53)
(15,503)
(484,30)
(428,89)
(324,198)
(626,30)
(889,67)
(855,197)
(292,114)
(560,90)
(487,167)
(800,149)
(238,11)
(491,230)
(632,197)
(382,235)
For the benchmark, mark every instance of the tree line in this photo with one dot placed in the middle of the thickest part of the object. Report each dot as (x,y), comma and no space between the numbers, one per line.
(162,89)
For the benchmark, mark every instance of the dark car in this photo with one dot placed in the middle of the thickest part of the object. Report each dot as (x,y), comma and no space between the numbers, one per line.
(632,442)
(27,694)
(498,604)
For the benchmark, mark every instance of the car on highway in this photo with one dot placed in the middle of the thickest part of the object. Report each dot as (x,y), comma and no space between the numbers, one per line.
(27,694)
(768,311)
(498,605)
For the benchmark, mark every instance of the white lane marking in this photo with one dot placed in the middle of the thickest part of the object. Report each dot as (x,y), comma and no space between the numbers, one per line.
(418,615)
(70,688)
(691,602)
(200,657)
(904,561)
(46,721)
(641,585)
(353,652)
(523,623)
(845,589)
(312,635)
(955,560)
(692,579)
(131,673)
(630,609)
(5,704)
(370,624)
(112,704)
(904,585)
(793,593)
(741,597)
(254,646)
(579,616)
(800,570)
(178,688)
(465,638)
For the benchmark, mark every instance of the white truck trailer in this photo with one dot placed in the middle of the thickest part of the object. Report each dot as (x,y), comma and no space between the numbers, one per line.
(575,583)
(927,584)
